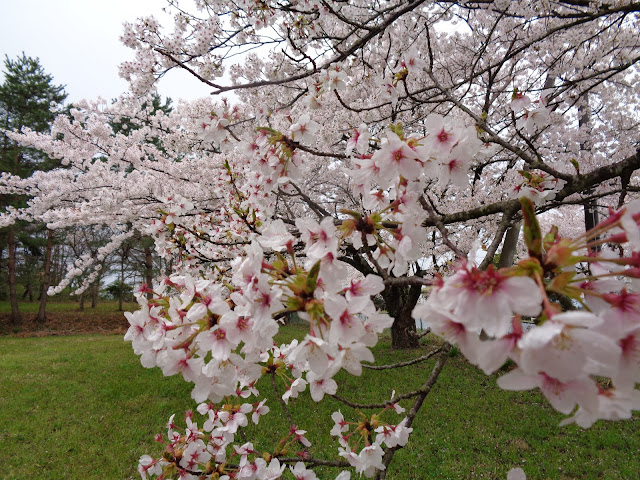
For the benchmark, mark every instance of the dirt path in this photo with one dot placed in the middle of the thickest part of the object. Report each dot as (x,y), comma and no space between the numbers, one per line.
(66,323)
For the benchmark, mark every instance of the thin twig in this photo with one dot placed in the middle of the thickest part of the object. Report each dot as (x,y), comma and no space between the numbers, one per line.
(316,461)
(428,207)
(282,402)
(424,391)
(404,364)
(445,348)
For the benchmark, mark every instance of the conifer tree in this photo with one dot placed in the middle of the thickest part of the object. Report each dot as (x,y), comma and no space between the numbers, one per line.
(27,98)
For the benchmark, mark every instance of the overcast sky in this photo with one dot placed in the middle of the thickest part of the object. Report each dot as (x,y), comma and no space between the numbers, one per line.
(77,42)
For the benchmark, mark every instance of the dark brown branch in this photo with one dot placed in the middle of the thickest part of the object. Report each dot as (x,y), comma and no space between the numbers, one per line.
(576,184)
(404,396)
(393,281)
(283,404)
(404,364)
(316,461)
(423,392)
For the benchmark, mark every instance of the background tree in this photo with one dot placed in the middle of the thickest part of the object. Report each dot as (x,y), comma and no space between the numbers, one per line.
(28,98)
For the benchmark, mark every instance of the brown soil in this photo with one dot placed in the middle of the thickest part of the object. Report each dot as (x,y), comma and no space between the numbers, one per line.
(66,323)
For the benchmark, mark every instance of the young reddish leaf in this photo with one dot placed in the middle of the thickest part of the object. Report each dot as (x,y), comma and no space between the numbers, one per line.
(532,233)
(550,238)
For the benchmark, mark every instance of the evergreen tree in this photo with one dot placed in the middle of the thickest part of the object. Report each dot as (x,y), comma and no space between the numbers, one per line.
(26,99)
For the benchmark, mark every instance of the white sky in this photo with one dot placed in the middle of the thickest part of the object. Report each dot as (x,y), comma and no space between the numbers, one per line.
(77,42)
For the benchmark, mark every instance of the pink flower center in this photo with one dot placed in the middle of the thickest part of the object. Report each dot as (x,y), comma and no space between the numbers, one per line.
(443,136)
(484,283)
(625,302)
(397,155)
(629,345)
(553,385)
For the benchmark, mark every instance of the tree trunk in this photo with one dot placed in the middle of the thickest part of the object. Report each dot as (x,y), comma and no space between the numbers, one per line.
(509,246)
(121,286)
(46,279)
(3,291)
(94,294)
(148,270)
(400,301)
(15,318)
(590,206)
(82,295)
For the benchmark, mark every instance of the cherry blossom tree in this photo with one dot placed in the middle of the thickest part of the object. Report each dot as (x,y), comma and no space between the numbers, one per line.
(375,158)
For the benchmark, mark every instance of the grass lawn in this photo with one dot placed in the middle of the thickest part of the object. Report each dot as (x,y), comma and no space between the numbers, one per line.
(103,306)
(82,407)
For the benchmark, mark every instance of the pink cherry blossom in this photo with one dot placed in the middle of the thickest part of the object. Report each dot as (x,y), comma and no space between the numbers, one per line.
(488,300)
(395,158)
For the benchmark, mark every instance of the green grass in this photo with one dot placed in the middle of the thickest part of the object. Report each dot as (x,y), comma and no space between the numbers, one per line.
(103,306)
(82,407)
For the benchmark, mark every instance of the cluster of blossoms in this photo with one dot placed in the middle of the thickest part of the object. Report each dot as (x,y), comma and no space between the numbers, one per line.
(221,337)
(538,187)
(369,458)
(566,353)
(210,452)
(531,119)
(195,327)
(93,264)
(218,330)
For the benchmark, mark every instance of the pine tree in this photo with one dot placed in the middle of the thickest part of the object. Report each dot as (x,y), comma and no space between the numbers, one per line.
(26,97)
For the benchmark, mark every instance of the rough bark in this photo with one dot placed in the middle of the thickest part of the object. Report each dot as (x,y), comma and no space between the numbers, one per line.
(508,251)
(148,270)
(16,316)
(400,301)
(121,285)
(46,279)
(95,288)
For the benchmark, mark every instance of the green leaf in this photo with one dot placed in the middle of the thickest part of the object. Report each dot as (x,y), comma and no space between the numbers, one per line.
(312,277)
(550,238)
(525,174)
(532,233)
(397,129)
(576,165)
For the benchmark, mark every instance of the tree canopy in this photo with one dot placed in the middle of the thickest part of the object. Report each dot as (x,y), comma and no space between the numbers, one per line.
(375,160)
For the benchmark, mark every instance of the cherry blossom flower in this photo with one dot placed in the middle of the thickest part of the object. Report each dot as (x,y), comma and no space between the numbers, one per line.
(275,236)
(340,426)
(394,435)
(563,396)
(519,102)
(319,238)
(369,460)
(564,347)
(613,404)
(300,472)
(488,299)
(443,135)
(261,409)
(304,130)
(395,158)
(358,140)
(297,386)
(535,119)
(346,327)
(321,386)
